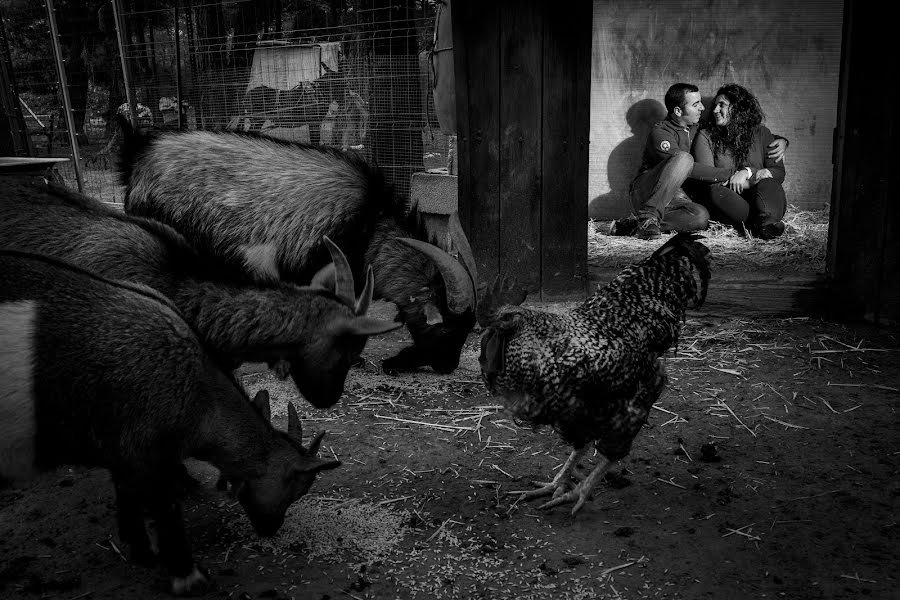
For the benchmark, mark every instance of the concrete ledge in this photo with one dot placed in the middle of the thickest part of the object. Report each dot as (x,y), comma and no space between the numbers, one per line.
(434,193)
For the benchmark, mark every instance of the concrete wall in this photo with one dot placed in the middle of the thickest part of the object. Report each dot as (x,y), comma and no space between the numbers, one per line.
(787,52)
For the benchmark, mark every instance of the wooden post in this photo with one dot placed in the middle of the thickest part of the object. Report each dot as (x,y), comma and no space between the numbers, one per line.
(566,133)
(523,99)
(126,73)
(864,236)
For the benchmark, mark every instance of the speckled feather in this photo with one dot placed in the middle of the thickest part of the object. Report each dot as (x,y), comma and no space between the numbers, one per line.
(594,373)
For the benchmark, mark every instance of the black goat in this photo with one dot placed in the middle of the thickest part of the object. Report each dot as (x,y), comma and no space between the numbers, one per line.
(106,373)
(318,333)
(263,206)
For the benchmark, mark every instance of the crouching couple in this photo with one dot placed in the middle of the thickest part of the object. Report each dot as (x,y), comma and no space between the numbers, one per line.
(729,168)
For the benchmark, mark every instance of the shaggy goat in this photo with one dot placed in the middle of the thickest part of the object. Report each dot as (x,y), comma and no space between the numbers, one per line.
(263,206)
(106,373)
(318,333)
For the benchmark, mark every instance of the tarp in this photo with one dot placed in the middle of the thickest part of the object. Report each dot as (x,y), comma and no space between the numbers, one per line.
(286,67)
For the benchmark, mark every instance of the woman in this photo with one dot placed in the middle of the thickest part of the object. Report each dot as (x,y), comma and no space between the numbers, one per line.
(733,136)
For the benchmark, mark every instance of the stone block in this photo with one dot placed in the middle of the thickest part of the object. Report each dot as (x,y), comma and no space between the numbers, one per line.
(434,193)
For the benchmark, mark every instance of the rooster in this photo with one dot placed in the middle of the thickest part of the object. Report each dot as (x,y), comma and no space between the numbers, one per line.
(592,373)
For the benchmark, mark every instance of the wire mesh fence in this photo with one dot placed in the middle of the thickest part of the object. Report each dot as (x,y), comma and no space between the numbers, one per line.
(351,74)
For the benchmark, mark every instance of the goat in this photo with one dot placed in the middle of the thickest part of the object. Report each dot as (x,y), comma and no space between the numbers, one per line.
(318,333)
(262,206)
(106,373)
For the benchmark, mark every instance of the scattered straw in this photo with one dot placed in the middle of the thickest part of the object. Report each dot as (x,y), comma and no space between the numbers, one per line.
(856,577)
(332,530)
(728,408)
(670,482)
(780,422)
(802,248)
(741,531)
(865,385)
(441,426)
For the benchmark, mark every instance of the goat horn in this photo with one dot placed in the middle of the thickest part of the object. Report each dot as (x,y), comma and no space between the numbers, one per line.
(460,291)
(461,242)
(295,427)
(261,401)
(314,444)
(365,298)
(343,276)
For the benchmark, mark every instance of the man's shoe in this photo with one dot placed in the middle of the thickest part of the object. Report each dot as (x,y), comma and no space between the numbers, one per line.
(626,226)
(648,229)
(771,231)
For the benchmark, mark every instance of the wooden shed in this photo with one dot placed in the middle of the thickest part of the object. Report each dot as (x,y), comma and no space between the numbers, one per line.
(523,93)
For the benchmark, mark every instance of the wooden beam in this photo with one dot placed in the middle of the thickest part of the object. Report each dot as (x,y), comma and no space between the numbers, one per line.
(755,294)
(477,72)
(521,60)
(564,161)
(864,240)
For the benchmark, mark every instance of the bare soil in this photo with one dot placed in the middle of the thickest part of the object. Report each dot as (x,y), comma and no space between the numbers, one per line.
(768,470)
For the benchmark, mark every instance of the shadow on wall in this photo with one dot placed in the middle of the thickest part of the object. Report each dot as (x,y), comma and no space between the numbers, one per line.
(625,161)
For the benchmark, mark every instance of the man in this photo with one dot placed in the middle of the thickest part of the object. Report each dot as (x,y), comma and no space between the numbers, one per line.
(656,192)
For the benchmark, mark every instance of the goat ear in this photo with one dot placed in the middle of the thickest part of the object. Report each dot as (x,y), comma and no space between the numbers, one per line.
(432,315)
(295,428)
(314,465)
(365,298)
(324,278)
(261,401)
(363,326)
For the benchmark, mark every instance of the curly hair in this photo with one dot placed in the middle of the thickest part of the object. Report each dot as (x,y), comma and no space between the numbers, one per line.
(737,135)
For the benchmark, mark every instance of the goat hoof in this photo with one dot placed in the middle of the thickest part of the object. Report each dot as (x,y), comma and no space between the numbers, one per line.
(390,367)
(195,583)
(141,555)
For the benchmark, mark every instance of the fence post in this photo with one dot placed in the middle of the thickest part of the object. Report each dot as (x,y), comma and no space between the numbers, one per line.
(178,90)
(126,74)
(64,88)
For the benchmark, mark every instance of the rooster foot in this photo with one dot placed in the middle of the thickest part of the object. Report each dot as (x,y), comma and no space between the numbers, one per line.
(579,495)
(561,482)
(582,492)
(554,488)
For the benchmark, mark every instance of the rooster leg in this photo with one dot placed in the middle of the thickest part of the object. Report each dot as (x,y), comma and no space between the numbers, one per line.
(581,492)
(559,483)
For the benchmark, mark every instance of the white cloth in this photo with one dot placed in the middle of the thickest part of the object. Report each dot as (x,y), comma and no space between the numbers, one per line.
(286,67)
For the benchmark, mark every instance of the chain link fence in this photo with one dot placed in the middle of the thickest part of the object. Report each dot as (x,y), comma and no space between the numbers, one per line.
(348,74)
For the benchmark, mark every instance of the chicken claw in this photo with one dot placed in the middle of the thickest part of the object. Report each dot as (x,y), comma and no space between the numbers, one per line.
(546,488)
(579,494)
(582,492)
(559,484)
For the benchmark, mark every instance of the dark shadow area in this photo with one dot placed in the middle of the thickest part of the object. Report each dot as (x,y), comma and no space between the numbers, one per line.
(625,160)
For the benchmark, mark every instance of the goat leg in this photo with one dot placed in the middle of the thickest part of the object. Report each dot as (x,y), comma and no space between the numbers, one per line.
(409,358)
(130,519)
(174,548)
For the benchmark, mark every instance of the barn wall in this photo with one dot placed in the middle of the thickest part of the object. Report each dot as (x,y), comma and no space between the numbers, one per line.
(787,52)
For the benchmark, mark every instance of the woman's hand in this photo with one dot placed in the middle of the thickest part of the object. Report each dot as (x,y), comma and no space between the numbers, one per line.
(760,175)
(739,181)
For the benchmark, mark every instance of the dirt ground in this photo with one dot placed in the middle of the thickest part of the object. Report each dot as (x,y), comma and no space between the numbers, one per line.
(767,470)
